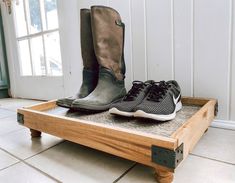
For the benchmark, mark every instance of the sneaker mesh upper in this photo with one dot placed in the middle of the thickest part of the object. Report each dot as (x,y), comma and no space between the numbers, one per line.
(129,105)
(165,105)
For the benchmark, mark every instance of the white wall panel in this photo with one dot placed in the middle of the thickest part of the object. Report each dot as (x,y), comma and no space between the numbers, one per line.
(183,45)
(232,104)
(70,44)
(232,49)
(88,4)
(211,51)
(192,41)
(159,39)
(138,40)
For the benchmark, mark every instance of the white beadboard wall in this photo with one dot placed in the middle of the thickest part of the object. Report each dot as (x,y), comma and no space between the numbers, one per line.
(191,41)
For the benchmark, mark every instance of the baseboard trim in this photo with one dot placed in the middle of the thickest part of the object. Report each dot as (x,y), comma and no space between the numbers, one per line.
(218,123)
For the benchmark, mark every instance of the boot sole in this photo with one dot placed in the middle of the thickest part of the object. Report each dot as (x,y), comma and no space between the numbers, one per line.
(121,113)
(142,114)
(90,108)
(63,105)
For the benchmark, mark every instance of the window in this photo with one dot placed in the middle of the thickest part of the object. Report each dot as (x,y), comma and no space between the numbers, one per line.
(37,34)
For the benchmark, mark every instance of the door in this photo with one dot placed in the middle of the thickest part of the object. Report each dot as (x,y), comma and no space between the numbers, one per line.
(34,32)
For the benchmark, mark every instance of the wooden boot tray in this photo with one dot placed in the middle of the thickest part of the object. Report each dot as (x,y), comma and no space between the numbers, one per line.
(161,145)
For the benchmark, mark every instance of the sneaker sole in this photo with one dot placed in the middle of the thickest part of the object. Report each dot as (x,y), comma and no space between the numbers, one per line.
(142,114)
(121,113)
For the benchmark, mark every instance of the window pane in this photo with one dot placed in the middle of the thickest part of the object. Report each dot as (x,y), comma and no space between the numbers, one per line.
(25,63)
(51,14)
(53,58)
(35,16)
(20,22)
(38,56)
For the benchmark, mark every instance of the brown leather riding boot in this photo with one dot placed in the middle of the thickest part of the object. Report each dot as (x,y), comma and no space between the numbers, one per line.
(108,38)
(90,64)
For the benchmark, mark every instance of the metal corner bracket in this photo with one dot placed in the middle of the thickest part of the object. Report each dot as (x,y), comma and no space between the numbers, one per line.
(166,157)
(216,108)
(20,118)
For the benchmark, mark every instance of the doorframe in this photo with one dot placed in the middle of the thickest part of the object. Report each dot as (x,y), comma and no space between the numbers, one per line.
(70,49)
(8,33)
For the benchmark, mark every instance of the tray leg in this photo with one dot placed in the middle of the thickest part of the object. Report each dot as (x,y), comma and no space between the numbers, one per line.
(163,176)
(35,133)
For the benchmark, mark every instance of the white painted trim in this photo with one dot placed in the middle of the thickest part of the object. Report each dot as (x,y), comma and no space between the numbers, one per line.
(37,34)
(192,47)
(231,52)
(230,58)
(145,42)
(173,39)
(131,42)
(218,123)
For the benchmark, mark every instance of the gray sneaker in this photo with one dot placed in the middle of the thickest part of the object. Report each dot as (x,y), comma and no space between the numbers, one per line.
(134,97)
(161,103)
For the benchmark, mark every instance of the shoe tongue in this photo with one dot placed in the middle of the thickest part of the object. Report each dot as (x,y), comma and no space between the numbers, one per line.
(137,82)
(160,83)
(149,82)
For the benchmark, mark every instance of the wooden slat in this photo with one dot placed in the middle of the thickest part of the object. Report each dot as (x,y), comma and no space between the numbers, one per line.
(194,128)
(129,144)
(194,101)
(44,106)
